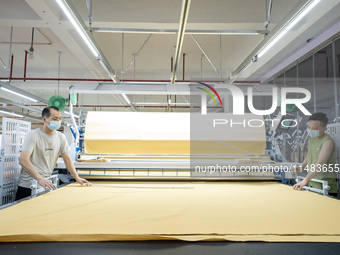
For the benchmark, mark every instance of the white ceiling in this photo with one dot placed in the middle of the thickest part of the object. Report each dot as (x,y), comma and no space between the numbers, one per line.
(54,33)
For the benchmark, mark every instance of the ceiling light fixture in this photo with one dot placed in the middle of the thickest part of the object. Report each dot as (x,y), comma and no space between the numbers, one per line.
(11,113)
(77,116)
(75,22)
(82,31)
(18,94)
(288,26)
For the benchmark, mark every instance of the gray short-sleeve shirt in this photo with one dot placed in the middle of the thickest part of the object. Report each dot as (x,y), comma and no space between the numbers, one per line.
(45,151)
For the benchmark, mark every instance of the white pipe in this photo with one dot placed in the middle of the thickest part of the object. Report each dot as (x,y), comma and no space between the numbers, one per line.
(174,31)
(204,104)
(74,123)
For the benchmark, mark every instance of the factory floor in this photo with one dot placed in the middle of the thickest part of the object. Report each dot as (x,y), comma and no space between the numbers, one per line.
(169,247)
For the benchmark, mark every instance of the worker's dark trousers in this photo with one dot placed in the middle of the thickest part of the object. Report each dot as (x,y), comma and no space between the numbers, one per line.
(22,193)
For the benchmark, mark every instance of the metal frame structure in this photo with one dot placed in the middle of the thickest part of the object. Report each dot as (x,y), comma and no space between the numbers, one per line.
(13,133)
(165,169)
(36,190)
(323,191)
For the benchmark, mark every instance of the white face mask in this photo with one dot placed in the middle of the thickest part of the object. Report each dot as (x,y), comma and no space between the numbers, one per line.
(54,125)
(313,133)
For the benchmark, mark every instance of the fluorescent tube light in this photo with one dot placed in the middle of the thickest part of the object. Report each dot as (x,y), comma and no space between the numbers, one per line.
(76,116)
(70,15)
(18,94)
(297,17)
(10,113)
(83,34)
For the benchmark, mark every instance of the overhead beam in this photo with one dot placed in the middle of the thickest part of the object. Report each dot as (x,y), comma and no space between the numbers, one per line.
(174,31)
(180,36)
(177,89)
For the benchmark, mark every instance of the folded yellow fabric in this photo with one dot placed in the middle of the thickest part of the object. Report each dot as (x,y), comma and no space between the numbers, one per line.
(159,133)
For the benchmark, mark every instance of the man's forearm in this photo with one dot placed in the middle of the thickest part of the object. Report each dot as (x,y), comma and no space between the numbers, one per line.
(70,167)
(314,172)
(304,164)
(29,168)
(311,175)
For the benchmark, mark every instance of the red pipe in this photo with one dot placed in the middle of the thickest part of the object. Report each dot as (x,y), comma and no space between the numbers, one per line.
(172,64)
(167,100)
(26,52)
(183,65)
(56,79)
(103,80)
(169,81)
(77,100)
(108,80)
(99,80)
(10,75)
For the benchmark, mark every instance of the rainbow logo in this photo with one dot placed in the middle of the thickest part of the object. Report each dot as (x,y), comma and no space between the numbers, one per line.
(209,93)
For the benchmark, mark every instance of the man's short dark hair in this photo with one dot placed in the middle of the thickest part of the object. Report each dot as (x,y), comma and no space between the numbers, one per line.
(320,116)
(47,111)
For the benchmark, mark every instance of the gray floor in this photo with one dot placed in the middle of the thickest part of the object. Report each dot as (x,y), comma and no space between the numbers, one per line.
(169,247)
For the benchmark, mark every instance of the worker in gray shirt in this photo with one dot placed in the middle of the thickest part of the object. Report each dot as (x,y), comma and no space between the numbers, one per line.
(40,152)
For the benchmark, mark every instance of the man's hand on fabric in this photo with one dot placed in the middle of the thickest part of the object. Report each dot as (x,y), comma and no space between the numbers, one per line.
(83,181)
(46,184)
(300,185)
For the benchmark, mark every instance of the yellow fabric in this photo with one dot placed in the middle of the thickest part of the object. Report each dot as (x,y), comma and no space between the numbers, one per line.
(154,133)
(213,211)
(137,133)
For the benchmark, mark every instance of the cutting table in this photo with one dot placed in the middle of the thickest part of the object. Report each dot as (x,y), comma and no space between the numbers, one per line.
(143,194)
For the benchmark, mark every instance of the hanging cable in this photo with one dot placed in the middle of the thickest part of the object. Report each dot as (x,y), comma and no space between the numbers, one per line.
(59,53)
(89,9)
(10,58)
(268,13)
